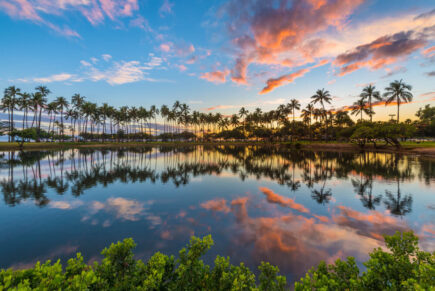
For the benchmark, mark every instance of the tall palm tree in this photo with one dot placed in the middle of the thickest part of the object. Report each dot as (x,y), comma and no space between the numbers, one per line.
(243,113)
(62,104)
(105,112)
(234,120)
(400,92)
(307,114)
(370,93)
(359,107)
(164,112)
(293,106)
(77,102)
(24,105)
(43,93)
(322,96)
(10,101)
(51,111)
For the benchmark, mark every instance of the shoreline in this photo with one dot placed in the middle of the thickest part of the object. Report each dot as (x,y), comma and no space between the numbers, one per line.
(420,149)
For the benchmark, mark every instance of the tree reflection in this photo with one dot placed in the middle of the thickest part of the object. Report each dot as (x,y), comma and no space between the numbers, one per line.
(29,175)
(364,188)
(322,195)
(397,204)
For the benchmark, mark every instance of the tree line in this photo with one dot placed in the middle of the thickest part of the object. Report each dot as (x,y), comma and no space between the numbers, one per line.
(84,120)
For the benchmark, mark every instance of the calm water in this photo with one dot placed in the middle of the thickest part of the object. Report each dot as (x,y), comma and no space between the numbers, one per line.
(292,208)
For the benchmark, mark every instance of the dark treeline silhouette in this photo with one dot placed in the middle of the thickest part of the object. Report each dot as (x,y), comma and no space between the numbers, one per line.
(29,175)
(79,119)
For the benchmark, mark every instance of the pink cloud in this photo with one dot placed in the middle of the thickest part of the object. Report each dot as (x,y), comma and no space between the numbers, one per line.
(20,9)
(182,68)
(166,8)
(166,47)
(216,76)
(93,10)
(219,205)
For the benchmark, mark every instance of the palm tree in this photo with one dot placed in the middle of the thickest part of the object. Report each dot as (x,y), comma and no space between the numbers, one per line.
(24,105)
(105,111)
(293,106)
(342,118)
(322,96)
(243,113)
(164,112)
(234,120)
(43,93)
(73,115)
(61,104)
(359,107)
(77,102)
(51,110)
(369,93)
(10,102)
(400,92)
(306,115)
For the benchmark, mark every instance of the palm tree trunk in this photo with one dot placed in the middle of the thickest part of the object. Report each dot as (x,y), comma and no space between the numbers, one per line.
(398,105)
(12,121)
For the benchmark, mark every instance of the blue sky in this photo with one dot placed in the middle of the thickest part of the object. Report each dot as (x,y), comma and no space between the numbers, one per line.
(218,55)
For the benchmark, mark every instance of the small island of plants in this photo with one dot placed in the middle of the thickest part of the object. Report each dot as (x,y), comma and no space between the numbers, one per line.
(402,267)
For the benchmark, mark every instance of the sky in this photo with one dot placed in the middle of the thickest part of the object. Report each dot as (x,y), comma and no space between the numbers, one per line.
(218,56)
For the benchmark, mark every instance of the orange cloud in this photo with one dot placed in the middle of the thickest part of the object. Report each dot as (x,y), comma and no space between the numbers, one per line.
(285,79)
(429,51)
(278,35)
(272,197)
(381,52)
(216,76)
(271,84)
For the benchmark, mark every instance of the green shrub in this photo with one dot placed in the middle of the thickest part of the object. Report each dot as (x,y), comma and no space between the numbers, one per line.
(403,267)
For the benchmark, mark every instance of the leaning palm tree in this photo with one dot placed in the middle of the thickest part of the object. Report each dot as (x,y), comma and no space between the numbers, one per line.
(369,93)
(400,92)
(359,107)
(322,96)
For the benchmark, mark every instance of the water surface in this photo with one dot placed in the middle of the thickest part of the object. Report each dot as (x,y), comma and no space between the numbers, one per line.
(291,208)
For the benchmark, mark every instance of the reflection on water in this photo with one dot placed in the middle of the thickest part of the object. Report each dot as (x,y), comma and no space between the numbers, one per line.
(292,208)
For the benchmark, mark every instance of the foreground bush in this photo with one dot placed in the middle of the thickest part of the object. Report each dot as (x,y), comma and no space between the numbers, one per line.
(404,267)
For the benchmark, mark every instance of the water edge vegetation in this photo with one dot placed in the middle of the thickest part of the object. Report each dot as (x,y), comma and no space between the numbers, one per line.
(403,267)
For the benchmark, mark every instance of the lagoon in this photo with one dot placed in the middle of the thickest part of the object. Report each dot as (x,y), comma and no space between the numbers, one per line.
(290,207)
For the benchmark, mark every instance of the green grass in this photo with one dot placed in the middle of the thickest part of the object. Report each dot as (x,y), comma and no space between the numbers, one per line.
(46,145)
(425,144)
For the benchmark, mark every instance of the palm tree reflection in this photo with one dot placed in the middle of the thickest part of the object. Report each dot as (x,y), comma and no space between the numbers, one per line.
(31,174)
